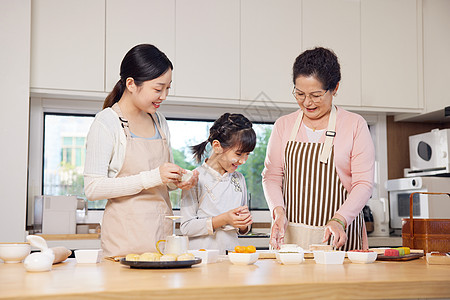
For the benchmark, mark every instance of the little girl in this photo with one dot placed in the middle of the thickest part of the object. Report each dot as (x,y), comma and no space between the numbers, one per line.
(215,210)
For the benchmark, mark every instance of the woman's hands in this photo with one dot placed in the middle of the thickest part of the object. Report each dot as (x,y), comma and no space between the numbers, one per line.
(334,228)
(188,184)
(172,173)
(278,227)
(238,217)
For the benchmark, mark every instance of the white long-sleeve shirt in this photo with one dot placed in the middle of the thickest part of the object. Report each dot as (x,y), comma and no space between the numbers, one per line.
(213,195)
(105,153)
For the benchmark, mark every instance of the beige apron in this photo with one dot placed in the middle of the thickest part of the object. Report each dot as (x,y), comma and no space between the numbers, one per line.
(313,191)
(133,224)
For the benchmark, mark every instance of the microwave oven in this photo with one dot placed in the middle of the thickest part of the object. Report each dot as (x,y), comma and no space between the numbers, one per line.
(429,153)
(424,206)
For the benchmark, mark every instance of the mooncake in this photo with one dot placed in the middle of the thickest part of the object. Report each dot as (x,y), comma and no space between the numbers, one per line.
(186,256)
(132,257)
(168,257)
(150,256)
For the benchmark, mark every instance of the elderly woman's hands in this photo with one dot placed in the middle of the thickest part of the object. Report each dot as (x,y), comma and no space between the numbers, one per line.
(278,227)
(335,228)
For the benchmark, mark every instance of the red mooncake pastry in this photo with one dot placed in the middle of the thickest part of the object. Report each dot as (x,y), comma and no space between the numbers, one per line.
(391,252)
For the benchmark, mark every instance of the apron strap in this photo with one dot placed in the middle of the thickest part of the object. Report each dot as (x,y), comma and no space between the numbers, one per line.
(155,119)
(296,126)
(123,121)
(329,134)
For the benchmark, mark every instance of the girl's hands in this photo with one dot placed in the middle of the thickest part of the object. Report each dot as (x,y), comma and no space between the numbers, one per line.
(278,227)
(238,217)
(335,229)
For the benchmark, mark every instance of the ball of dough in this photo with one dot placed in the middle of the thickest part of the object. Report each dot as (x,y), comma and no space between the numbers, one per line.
(168,257)
(187,176)
(132,257)
(150,256)
(186,256)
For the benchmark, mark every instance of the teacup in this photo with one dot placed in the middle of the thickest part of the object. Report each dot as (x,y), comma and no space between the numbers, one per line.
(174,244)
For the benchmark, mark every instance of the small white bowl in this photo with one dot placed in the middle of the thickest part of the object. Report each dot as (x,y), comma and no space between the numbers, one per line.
(209,256)
(362,257)
(329,257)
(243,258)
(290,258)
(14,252)
(88,256)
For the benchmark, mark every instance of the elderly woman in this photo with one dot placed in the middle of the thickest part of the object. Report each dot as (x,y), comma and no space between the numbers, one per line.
(319,166)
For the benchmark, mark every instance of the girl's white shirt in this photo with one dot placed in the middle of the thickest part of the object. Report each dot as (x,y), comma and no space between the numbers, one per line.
(213,195)
(106,144)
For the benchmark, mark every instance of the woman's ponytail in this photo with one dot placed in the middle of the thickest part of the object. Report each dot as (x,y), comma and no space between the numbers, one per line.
(115,94)
(199,150)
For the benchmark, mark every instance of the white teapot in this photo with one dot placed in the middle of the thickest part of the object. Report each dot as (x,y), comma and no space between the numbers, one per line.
(39,261)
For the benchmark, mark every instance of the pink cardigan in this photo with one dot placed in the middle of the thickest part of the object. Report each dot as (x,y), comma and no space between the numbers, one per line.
(354,156)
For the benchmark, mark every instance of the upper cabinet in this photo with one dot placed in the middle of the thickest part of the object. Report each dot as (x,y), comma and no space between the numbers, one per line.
(207,49)
(335,24)
(149,22)
(390,57)
(270,42)
(242,51)
(68,44)
(436,49)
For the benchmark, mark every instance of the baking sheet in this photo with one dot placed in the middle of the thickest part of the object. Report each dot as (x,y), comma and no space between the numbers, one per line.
(161,264)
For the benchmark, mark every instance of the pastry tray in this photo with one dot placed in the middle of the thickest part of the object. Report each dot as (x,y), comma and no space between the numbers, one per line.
(160,264)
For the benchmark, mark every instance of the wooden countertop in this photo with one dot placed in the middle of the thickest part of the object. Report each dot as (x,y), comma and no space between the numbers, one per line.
(266,279)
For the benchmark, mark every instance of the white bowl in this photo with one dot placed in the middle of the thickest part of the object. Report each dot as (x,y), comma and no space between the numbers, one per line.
(290,258)
(14,252)
(88,256)
(243,258)
(209,256)
(329,257)
(362,257)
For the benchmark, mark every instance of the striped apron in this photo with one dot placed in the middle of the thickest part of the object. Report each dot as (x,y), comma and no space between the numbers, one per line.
(313,192)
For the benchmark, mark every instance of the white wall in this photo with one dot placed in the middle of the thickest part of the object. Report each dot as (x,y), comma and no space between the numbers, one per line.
(14,87)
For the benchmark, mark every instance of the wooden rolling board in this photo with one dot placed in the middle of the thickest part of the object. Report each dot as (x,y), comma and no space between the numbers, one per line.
(400,258)
(55,237)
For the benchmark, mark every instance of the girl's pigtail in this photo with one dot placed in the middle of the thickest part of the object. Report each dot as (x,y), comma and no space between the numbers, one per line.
(199,150)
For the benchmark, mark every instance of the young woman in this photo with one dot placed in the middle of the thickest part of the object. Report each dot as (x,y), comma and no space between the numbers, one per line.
(215,210)
(128,156)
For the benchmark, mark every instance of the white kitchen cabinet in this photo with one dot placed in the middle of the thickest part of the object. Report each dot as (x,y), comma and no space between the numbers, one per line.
(129,23)
(14,82)
(436,50)
(270,42)
(390,54)
(68,44)
(207,49)
(335,24)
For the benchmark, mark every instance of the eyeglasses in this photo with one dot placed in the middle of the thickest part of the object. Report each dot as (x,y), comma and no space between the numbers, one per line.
(300,96)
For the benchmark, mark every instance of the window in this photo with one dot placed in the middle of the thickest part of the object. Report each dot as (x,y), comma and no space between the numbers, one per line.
(64,155)
(65,144)
(185,133)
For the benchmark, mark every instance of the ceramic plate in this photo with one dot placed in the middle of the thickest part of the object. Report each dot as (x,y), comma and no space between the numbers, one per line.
(160,264)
